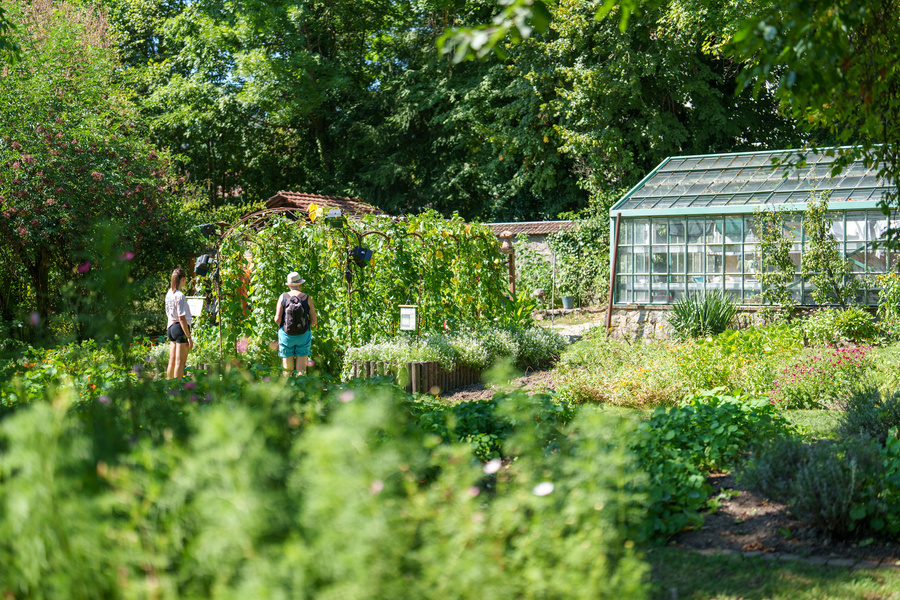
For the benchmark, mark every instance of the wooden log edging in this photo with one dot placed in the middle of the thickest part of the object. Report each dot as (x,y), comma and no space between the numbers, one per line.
(427,377)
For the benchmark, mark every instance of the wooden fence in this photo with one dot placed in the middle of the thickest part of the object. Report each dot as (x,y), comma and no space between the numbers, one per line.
(419,377)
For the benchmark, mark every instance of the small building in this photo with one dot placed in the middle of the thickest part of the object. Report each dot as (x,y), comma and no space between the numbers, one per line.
(688,226)
(350,207)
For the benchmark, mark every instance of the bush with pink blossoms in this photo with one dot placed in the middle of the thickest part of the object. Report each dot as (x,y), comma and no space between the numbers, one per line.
(819,378)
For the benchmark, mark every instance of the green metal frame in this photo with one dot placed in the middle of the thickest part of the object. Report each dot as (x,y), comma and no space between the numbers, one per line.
(745,207)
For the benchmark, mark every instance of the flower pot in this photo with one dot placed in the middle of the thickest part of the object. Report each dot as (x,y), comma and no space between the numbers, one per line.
(568,302)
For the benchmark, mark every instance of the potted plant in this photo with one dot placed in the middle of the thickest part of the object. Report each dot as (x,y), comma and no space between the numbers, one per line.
(568,284)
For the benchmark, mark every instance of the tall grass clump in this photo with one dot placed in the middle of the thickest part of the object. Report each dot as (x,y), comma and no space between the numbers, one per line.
(869,412)
(702,314)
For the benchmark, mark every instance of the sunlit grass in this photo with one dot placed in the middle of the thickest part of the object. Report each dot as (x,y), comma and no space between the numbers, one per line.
(686,575)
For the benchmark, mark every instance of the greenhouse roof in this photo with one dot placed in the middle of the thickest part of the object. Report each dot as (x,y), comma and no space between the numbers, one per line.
(742,182)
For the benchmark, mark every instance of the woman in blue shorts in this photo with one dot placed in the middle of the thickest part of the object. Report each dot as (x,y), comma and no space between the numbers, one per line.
(295,315)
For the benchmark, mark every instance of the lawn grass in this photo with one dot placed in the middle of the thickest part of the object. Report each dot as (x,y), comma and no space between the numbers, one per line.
(815,423)
(680,574)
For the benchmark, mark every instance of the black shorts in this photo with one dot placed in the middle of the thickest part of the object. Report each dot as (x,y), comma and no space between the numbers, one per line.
(176,334)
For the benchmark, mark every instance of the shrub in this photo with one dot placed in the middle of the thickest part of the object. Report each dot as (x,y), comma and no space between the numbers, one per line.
(677,445)
(480,349)
(702,314)
(869,413)
(817,378)
(538,347)
(617,372)
(841,487)
(624,373)
(830,326)
(312,489)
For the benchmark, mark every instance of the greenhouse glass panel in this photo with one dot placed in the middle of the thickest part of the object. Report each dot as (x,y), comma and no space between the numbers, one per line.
(641,232)
(876,260)
(695,259)
(856,254)
(659,260)
(641,289)
(752,289)
(641,259)
(624,289)
(696,230)
(626,232)
(626,261)
(733,256)
(749,231)
(714,264)
(676,260)
(660,232)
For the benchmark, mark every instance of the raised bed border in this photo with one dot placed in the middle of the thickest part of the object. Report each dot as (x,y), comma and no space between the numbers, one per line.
(420,377)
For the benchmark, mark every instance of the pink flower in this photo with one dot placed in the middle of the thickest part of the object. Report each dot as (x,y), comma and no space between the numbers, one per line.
(189,385)
(84,267)
(50,202)
(242,344)
(16,146)
(127,256)
(22,231)
(97,175)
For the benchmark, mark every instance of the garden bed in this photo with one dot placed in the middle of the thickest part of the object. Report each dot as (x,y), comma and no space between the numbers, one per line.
(746,522)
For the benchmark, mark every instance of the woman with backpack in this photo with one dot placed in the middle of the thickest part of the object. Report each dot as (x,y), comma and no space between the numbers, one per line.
(295,315)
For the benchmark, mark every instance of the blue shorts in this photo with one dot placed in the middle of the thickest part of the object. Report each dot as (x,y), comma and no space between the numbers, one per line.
(293,345)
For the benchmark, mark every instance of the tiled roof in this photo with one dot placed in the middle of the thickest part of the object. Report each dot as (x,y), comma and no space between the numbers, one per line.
(349,206)
(531,227)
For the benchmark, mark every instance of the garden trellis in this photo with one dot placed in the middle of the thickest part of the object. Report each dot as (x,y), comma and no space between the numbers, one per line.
(451,269)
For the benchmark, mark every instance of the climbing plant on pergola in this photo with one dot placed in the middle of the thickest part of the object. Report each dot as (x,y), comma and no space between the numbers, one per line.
(452,270)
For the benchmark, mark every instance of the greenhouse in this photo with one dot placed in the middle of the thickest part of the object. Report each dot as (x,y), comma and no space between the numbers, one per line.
(688,226)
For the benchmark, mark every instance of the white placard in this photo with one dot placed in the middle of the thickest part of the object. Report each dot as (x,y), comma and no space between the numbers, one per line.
(407,318)
(195,304)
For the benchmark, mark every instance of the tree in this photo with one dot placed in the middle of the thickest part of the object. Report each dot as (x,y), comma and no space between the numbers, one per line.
(835,66)
(74,155)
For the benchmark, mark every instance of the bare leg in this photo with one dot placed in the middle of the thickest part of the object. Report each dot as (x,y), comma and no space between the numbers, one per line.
(301,365)
(181,354)
(170,369)
(286,365)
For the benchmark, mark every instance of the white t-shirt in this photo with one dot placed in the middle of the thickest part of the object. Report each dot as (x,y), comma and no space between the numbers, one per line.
(176,306)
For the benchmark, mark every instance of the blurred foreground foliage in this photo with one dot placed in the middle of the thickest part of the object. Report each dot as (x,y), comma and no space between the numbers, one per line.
(230,486)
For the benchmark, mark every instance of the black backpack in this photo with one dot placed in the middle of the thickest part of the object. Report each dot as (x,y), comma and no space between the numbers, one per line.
(296,314)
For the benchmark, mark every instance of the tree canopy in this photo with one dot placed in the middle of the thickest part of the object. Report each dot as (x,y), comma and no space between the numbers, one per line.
(73,154)
(353,98)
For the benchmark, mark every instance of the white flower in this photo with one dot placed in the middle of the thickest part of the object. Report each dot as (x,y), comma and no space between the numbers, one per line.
(545,488)
(346,396)
(492,466)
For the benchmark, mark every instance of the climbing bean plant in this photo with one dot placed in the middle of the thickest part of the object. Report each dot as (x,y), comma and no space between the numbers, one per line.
(451,269)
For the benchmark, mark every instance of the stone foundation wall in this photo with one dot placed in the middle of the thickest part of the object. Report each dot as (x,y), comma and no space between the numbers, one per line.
(639,322)
(652,322)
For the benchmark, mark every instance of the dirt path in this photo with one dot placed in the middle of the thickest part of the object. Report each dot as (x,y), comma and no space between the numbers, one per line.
(749,524)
